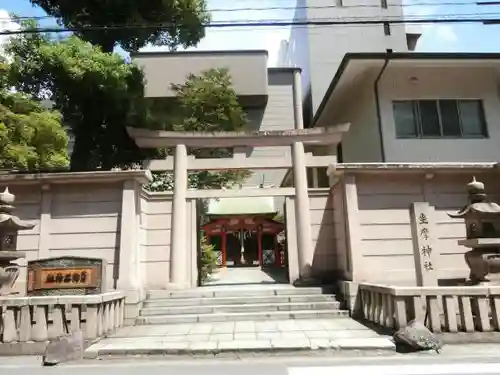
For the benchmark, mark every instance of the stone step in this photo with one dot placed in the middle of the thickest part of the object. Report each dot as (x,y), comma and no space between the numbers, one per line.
(210,292)
(241,316)
(217,301)
(240,308)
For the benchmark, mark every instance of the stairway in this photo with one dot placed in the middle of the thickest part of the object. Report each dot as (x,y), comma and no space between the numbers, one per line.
(230,303)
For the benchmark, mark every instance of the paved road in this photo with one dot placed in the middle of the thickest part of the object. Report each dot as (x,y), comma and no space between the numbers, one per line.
(272,366)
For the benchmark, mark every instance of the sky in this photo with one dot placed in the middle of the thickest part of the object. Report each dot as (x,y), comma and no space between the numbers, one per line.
(472,37)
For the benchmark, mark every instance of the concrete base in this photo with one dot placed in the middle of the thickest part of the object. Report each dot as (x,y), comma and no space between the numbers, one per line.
(133,304)
(29,348)
(242,336)
(243,346)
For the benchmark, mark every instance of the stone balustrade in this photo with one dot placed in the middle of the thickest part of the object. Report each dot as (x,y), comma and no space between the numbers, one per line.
(39,319)
(445,309)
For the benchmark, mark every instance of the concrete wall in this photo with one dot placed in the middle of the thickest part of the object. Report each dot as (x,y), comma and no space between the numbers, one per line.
(360,227)
(324,255)
(155,260)
(340,253)
(108,215)
(157,213)
(71,220)
(248,70)
(323,232)
(380,234)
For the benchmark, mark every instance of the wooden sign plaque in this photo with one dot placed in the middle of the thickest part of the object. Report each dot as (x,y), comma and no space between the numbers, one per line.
(65,275)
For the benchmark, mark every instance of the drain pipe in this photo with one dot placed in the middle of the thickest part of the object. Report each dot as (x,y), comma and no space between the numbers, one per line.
(377,104)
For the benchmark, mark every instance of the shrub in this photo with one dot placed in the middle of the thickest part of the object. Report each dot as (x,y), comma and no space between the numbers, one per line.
(208,259)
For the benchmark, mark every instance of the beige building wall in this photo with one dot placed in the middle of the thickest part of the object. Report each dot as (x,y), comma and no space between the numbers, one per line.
(441,83)
(362,143)
(276,115)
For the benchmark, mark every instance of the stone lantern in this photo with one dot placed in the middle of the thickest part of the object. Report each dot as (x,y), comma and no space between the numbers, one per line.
(10,225)
(482,220)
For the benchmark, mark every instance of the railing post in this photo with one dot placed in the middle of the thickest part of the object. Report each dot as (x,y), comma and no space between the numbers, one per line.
(122,311)
(482,318)
(450,314)
(400,310)
(378,307)
(466,318)
(365,300)
(75,317)
(117,314)
(495,309)
(419,308)
(57,322)
(434,313)
(40,329)
(100,319)
(388,311)
(25,324)
(91,324)
(105,317)
(9,325)
(111,316)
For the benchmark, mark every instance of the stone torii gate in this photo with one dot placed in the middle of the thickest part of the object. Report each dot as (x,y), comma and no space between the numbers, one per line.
(180,163)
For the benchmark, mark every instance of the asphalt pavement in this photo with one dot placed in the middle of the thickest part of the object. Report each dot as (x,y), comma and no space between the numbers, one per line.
(397,365)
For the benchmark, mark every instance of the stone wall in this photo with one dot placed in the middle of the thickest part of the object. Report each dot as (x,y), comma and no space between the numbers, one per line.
(380,239)
(72,219)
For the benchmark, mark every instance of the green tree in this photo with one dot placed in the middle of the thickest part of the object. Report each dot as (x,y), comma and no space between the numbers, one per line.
(31,137)
(158,22)
(97,93)
(204,102)
(208,259)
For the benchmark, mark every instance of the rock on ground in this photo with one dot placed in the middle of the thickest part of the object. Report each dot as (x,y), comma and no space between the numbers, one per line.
(64,349)
(418,337)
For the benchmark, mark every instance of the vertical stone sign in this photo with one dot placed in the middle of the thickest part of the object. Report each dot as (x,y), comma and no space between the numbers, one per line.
(422,231)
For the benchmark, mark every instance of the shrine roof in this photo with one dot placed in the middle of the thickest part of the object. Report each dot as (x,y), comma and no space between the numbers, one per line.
(241,206)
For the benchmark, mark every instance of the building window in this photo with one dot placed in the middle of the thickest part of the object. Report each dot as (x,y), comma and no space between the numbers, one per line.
(439,118)
(387,28)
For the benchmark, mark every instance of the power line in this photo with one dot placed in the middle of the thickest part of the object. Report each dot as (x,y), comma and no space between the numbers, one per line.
(249,9)
(467,18)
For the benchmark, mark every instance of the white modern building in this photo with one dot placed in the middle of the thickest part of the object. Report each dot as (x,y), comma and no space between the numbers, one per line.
(319,49)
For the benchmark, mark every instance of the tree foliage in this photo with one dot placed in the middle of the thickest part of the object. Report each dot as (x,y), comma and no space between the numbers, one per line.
(96,92)
(205,102)
(158,22)
(208,260)
(31,137)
